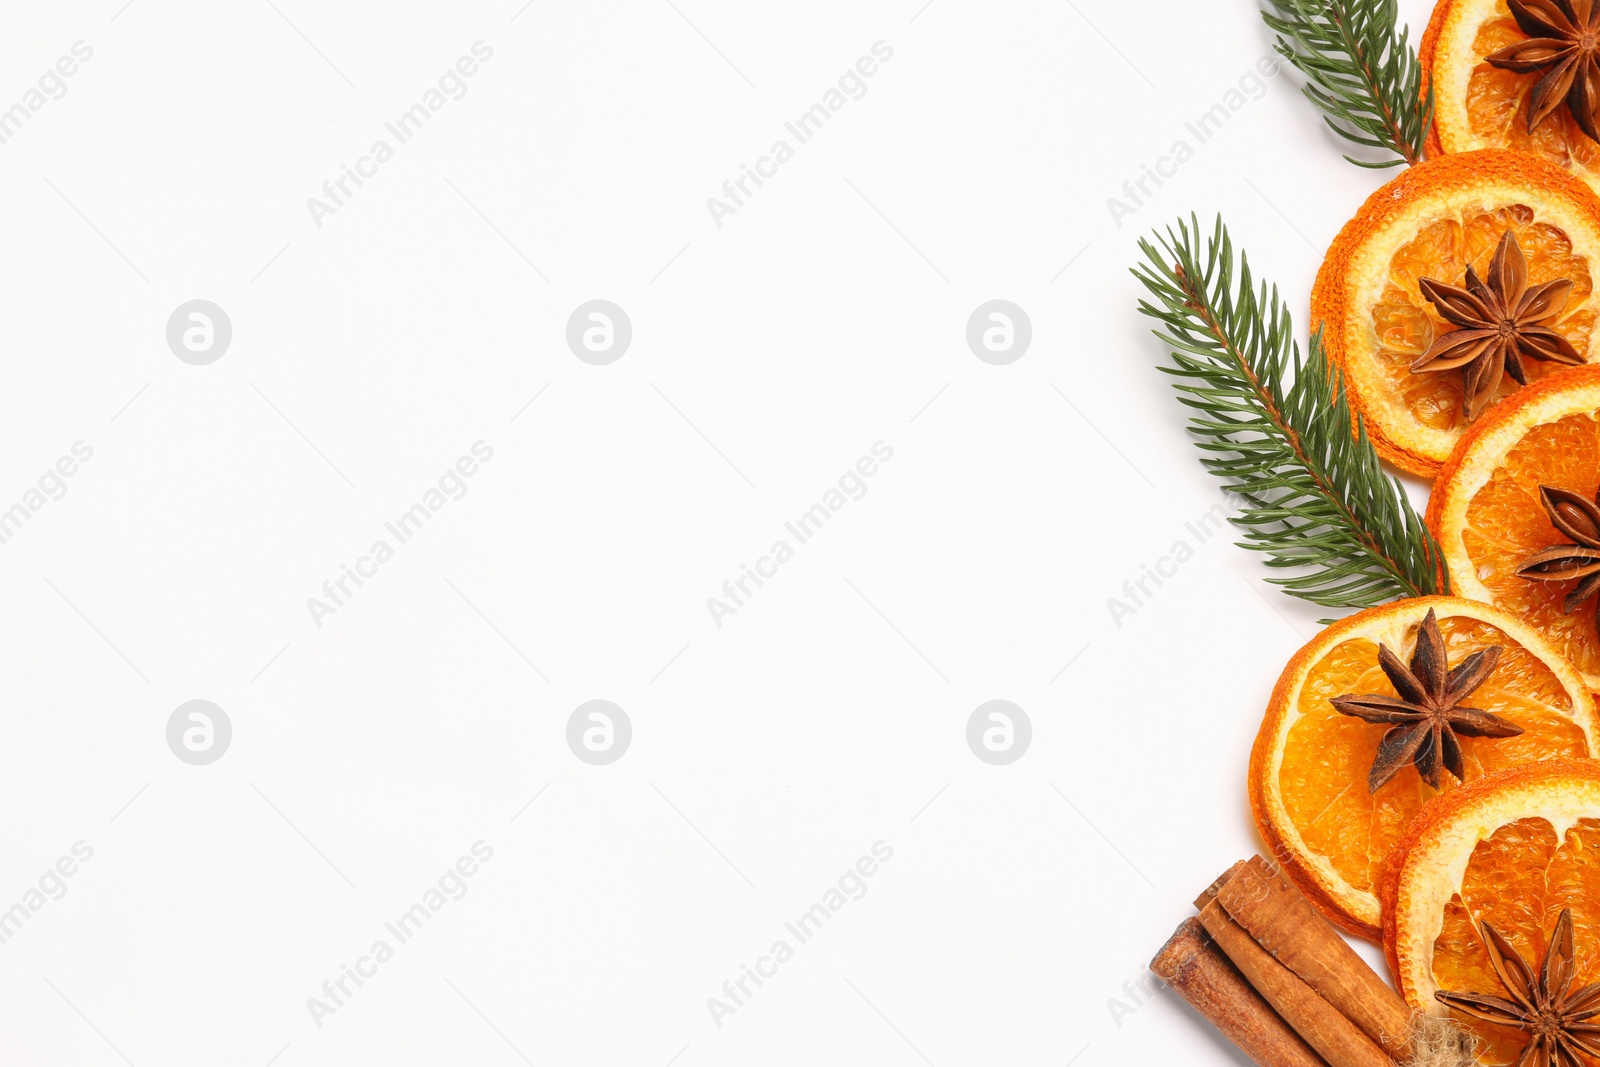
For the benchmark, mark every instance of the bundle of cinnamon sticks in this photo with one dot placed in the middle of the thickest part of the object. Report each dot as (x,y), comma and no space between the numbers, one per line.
(1277,979)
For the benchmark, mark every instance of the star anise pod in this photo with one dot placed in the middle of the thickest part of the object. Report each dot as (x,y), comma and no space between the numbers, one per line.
(1579,519)
(1545,1006)
(1501,323)
(1427,720)
(1564,37)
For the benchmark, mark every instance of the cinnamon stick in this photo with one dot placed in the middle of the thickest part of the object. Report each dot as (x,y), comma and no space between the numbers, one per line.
(1331,1034)
(1284,924)
(1193,966)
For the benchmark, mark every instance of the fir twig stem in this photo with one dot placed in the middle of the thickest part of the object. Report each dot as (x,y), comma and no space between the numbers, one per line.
(1387,109)
(1280,432)
(1197,303)
(1360,70)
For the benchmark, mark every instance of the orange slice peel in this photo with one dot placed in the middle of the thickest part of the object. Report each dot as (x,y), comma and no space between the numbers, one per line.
(1433,222)
(1513,849)
(1477,105)
(1308,779)
(1488,514)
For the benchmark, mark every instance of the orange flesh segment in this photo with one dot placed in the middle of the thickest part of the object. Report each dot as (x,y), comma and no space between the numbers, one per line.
(1406,323)
(1518,881)
(1506,523)
(1323,779)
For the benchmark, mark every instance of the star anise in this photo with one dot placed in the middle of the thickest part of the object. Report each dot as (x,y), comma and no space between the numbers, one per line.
(1579,519)
(1564,38)
(1501,323)
(1546,1006)
(1427,720)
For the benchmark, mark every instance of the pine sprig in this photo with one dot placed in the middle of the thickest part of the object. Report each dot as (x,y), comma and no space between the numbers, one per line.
(1278,430)
(1360,70)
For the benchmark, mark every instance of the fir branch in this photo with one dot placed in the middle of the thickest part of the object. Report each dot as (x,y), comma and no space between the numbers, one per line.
(1360,70)
(1278,430)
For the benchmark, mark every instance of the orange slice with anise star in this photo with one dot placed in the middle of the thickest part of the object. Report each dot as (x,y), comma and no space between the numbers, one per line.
(1515,515)
(1456,283)
(1491,912)
(1516,74)
(1383,711)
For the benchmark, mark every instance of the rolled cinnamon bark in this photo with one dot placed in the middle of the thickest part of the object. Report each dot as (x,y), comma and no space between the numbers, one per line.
(1193,966)
(1222,879)
(1334,1037)
(1285,924)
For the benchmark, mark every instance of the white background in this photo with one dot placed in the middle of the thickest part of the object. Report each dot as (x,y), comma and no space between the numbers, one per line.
(768,354)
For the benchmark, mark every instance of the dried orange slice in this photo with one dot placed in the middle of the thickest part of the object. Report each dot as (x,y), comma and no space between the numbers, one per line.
(1487,513)
(1434,221)
(1478,105)
(1309,767)
(1513,849)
